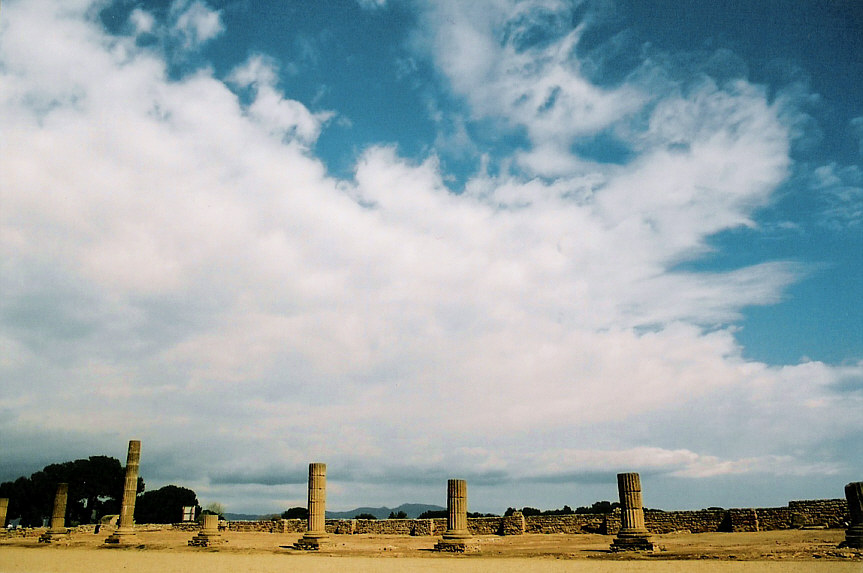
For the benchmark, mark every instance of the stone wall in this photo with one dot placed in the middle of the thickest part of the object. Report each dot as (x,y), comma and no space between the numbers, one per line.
(812,513)
(575,523)
(830,513)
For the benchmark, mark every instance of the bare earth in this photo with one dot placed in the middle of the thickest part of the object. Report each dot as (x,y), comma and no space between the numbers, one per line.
(166,552)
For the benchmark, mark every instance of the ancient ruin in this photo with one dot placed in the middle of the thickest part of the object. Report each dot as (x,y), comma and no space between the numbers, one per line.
(125,532)
(4,505)
(209,534)
(854,533)
(316,536)
(58,530)
(456,538)
(633,535)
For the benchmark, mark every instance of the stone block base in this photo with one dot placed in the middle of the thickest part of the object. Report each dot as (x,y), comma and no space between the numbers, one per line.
(119,538)
(853,538)
(632,544)
(201,540)
(54,537)
(312,543)
(456,545)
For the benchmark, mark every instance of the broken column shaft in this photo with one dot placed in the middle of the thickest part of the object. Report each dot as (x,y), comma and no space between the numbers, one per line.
(457,537)
(316,533)
(854,533)
(126,529)
(209,534)
(633,535)
(58,516)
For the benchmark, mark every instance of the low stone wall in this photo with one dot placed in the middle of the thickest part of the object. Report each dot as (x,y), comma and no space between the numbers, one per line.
(831,513)
(574,523)
(810,513)
(269,526)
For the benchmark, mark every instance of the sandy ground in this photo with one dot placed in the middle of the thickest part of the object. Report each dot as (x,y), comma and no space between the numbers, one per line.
(166,552)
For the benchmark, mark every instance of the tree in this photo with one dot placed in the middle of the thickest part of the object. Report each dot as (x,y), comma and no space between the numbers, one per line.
(164,505)
(95,489)
(296,513)
(215,508)
(433,514)
(364,516)
(399,515)
(599,507)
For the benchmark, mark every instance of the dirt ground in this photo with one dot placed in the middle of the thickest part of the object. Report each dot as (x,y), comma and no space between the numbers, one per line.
(167,551)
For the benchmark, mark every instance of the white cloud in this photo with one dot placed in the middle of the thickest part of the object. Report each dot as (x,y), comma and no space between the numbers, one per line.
(372,4)
(282,117)
(177,264)
(195,23)
(142,21)
(841,191)
(517,74)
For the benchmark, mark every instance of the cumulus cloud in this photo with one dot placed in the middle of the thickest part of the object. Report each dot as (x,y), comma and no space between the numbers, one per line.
(283,117)
(194,23)
(178,266)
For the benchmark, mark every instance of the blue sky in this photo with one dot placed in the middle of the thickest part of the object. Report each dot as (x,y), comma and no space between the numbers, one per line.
(531,244)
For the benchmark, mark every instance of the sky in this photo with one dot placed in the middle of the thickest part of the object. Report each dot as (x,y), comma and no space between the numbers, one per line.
(527,244)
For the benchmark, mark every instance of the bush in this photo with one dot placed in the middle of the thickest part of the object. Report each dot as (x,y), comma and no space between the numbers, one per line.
(433,514)
(164,505)
(296,513)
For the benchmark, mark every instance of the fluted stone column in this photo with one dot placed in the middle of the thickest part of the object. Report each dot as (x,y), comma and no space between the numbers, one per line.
(209,534)
(457,537)
(316,532)
(854,533)
(633,535)
(58,516)
(126,528)
(4,507)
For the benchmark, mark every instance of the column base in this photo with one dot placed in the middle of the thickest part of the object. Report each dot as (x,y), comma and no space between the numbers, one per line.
(54,536)
(632,544)
(312,543)
(456,545)
(853,537)
(122,537)
(206,540)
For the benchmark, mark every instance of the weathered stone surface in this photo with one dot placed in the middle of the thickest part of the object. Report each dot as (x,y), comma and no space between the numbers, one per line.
(633,535)
(4,506)
(125,532)
(854,533)
(457,538)
(830,513)
(316,536)
(58,530)
(209,534)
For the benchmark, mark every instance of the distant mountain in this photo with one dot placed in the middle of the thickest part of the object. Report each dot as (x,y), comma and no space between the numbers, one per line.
(241,517)
(413,510)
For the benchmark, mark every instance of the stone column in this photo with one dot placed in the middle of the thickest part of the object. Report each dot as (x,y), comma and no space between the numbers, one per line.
(58,516)
(4,506)
(126,528)
(633,535)
(854,533)
(316,532)
(456,538)
(209,534)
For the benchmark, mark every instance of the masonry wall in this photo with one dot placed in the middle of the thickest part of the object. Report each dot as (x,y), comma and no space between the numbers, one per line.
(832,513)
